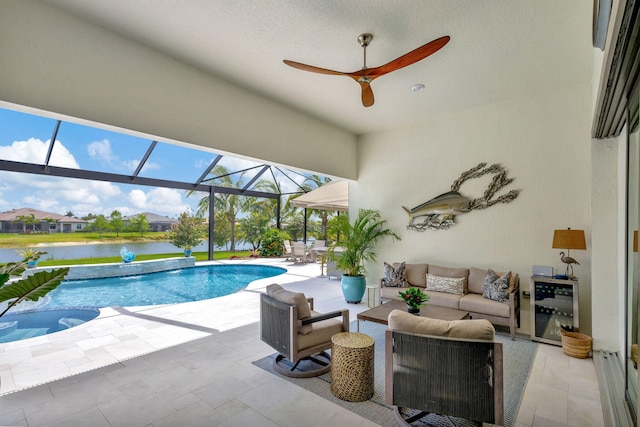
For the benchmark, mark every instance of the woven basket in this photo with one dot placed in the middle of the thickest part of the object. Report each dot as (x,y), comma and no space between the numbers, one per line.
(575,344)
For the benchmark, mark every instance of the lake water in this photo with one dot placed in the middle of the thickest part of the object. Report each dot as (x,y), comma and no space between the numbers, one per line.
(89,250)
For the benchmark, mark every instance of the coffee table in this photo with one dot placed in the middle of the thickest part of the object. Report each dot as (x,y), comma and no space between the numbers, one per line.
(380,314)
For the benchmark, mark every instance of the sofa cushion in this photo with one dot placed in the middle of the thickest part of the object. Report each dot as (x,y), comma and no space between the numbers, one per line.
(476,279)
(496,287)
(450,272)
(450,285)
(443,299)
(480,329)
(475,303)
(298,299)
(387,292)
(416,275)
(395,276)
(514,282)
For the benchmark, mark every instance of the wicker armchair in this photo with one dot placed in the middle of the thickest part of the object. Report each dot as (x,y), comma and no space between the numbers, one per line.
(445,372)
(289,325)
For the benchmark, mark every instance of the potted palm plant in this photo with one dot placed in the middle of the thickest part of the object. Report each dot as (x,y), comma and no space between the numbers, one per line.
(355,248)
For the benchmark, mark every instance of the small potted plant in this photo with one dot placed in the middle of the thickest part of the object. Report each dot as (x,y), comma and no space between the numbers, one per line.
(31,256)
(414,297)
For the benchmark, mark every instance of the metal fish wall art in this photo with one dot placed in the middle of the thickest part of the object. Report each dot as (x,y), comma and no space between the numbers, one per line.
(439,213)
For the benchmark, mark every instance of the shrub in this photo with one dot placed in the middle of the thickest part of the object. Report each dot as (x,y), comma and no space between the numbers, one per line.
(273,243)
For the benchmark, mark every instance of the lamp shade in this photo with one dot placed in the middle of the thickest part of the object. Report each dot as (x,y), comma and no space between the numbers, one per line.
(569,239)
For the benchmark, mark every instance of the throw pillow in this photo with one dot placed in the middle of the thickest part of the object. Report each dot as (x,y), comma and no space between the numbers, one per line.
(395,277)
(496,287)
(298,299)
(450,285)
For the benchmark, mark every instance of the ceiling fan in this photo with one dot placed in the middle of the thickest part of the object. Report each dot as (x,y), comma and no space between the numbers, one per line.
(366,75)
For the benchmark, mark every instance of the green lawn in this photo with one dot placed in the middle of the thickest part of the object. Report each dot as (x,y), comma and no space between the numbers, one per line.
(8,240)
(26,240)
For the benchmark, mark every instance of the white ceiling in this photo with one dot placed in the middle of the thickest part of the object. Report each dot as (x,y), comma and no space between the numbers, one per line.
(499,49)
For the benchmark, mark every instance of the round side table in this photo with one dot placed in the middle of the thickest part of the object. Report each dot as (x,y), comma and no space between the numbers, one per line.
(352,366)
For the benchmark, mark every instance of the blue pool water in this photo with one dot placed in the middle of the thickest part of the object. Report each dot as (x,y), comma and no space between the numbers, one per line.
(28,324)
(168,287)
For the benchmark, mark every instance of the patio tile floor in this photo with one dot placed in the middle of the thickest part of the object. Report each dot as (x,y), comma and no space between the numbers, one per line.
(190,364)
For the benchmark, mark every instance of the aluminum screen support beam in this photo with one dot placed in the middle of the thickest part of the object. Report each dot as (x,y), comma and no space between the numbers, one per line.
(212,196)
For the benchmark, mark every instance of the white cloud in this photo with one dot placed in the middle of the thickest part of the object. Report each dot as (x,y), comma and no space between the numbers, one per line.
(102,152)
(101,149)
(165,201)
(138,198)
(35,150)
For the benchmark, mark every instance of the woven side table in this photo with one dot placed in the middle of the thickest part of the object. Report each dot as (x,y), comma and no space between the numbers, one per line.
(352,366)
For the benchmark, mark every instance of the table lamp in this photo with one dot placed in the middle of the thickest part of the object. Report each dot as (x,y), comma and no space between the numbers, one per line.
(568,239)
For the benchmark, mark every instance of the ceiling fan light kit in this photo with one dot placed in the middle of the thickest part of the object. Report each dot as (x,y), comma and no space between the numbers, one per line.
(365,76)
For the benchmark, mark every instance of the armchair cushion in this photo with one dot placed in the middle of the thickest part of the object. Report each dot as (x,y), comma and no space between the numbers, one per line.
(322,332)
(480,329)
(298,299)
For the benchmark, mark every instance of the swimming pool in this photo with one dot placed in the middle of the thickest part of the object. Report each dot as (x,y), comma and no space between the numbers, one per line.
(28,324)
(167,287)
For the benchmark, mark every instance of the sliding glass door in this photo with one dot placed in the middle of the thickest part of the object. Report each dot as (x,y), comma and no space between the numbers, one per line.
(633,274)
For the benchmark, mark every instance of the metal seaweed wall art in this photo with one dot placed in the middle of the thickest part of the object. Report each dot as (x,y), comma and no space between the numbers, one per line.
(439,213)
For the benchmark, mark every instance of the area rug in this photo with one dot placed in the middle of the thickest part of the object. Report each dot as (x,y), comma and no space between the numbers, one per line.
(518,359)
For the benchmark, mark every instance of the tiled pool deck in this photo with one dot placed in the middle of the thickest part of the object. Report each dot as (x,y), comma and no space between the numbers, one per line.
(113,374)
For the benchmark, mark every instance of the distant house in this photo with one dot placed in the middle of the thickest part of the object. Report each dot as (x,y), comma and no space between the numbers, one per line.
(28,220)
(156,222)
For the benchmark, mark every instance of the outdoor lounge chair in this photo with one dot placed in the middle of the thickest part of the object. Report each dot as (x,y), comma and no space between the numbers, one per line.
(300,253)
(452,369)
(288,252)
(289,325)
(318,244)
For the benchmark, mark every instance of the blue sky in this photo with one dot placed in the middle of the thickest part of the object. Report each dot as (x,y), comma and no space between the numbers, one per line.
(25,138)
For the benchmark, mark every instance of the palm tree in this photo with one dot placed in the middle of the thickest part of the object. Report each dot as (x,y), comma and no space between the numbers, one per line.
(230,204)
(27,220)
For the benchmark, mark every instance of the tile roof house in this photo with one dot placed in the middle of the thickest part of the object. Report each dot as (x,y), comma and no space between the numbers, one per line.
(156,222)
(13,222)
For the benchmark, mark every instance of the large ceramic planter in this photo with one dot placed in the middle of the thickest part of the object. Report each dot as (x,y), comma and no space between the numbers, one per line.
(187,252)
(353,288)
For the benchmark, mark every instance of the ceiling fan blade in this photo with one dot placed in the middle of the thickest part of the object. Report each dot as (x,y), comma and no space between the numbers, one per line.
(313,69)
(367,94)
(411,57)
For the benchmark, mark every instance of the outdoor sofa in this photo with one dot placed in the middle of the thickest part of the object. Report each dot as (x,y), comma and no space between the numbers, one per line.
(459,288)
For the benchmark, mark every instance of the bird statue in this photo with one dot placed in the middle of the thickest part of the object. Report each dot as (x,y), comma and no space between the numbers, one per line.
(569,261)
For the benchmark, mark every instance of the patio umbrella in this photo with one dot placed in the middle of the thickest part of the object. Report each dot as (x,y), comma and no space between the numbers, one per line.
(333,196)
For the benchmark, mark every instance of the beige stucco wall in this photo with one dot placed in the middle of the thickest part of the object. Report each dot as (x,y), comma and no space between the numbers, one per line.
(57,63)
(543,142)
